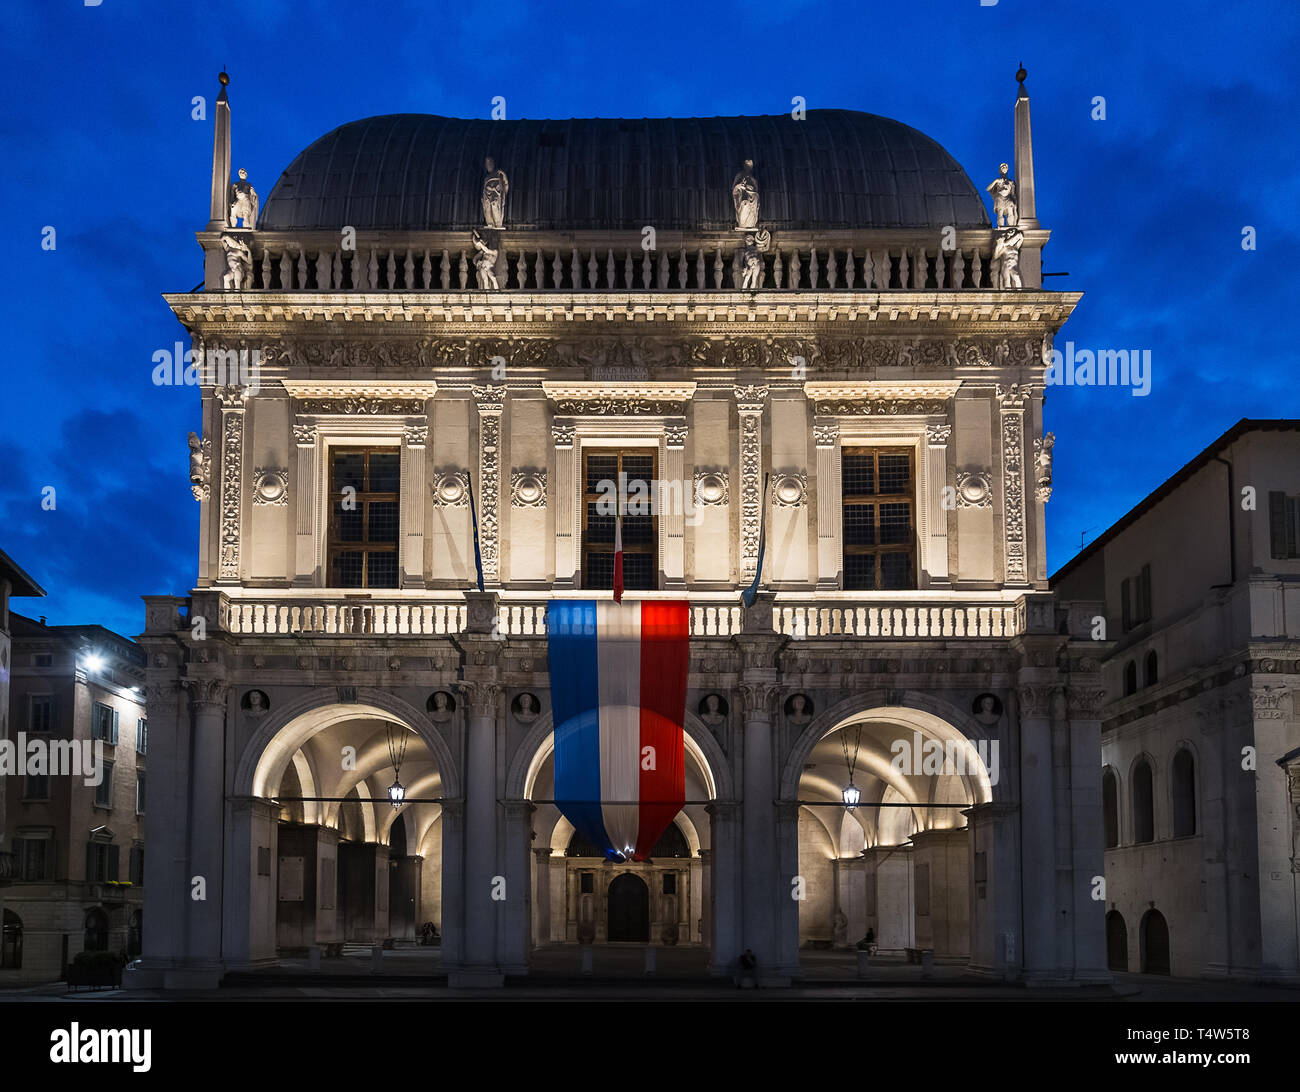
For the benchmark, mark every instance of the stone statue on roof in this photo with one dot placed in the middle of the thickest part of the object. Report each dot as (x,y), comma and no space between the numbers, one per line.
(495,187)
(243,201)
(1006,259)
(751,261)
(1005,213)
(484,261)
(744,195)
(239,263)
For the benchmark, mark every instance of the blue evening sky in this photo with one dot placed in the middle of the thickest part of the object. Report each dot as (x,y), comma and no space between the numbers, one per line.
(1146,207)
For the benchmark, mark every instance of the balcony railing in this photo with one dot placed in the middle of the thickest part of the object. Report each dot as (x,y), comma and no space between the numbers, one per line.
(841,614)
(438,262)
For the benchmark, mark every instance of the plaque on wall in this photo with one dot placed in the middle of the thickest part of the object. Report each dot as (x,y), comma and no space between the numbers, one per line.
(291,871)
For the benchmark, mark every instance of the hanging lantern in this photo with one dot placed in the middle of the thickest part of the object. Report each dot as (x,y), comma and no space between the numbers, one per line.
(852,795)
(397,741)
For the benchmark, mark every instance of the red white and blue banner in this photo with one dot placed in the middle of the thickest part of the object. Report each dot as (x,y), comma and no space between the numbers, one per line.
(618,696)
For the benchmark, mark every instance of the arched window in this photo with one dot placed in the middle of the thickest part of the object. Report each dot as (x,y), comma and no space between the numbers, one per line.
(1116,942)
(1144,821)
(1130,678)
(96,939)
(1110,806)
(11,942)
(1183,776)
(1151,675)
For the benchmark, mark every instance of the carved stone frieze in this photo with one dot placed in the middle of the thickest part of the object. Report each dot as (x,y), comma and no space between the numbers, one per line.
(232,457)
(888,407)
(392,407)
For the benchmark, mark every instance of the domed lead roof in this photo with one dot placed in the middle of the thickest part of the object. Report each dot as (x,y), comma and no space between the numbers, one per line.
(836,169)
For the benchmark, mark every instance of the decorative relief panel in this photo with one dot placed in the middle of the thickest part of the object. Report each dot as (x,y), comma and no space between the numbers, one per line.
(450,488)
(712,487)
(304,435)
(270,486)
(938,434)
(974,489)
(790,490)
(1013,481)
(491,402)
(416,435)
(749,402)
(232,455)
(528,488)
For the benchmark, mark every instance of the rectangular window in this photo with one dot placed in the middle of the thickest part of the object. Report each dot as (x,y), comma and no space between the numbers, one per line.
(104,790)
(103,723)
(625,479)
(36,787)
(139,794)
(1284,525)
(40,713)
(879,495)
(1142,608)
(670,883)
(141,736)
(136,866)
(35,859)
(43,659)
(101,862)
(1125,606)
(363,530)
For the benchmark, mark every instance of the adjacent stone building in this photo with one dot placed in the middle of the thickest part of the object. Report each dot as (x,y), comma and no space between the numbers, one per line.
(76,819)
(802,332)
(1201,730)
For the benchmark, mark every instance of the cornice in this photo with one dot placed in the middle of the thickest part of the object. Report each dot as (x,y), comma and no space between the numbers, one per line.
(309,388)
(594,392)
(1020,308)
(822,391)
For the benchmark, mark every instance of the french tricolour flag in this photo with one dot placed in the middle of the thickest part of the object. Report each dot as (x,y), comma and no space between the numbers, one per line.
(618,694)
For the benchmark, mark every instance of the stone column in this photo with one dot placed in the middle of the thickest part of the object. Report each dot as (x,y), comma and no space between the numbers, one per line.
(453,886)
(1082,702)
(482,915)
(936,515)
(414,438)
(491,404)
(830,523)
(763,884)
(673,521)
(995,925)
(305,545)
(169,763)
(1038,831)
(542,895)
(202,946)
(1013,399)
(699,917)
(749,405)
(249,925)
(514,942)
(565,497)
(725,906)
(231,492)
(851,896)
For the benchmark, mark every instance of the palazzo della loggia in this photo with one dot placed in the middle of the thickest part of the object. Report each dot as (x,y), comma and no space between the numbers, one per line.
(812,364)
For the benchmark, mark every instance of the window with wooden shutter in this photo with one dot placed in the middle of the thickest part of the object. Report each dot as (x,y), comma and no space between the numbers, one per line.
(365,484)
(879,512)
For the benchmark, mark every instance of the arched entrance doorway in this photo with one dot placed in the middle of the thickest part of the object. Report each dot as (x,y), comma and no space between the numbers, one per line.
(571,880)
(901,862)
(1116,942)
(1155,943)
(329,854)
(629,909)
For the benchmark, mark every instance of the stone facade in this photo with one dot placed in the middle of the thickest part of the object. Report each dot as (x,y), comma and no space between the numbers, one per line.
(747,404)
(1201,732)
